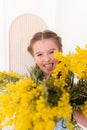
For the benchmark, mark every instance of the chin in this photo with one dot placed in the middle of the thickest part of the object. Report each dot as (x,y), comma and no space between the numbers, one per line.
(49,72)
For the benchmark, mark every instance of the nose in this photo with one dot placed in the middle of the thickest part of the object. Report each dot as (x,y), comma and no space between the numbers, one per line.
(47,58)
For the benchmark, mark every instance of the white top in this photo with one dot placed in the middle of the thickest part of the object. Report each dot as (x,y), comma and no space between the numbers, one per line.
(8,128)
(83,128)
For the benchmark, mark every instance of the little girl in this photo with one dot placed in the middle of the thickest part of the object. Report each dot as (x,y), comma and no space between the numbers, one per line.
(42,47)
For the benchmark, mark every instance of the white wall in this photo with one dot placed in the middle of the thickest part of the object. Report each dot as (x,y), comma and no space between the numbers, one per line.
(72,23)
(2,34)
(44,8)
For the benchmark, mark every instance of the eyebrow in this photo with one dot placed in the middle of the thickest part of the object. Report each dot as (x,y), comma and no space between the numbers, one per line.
(52,49)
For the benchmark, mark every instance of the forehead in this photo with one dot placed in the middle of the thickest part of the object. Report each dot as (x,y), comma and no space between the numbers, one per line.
(45,44)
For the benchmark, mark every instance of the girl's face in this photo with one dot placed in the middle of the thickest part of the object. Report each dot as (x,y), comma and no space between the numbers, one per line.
(43,52)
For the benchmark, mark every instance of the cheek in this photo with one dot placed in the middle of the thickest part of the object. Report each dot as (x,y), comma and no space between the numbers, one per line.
(55,61)
(38,61)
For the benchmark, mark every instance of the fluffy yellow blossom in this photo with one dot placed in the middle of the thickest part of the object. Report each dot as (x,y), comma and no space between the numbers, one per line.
(33,104)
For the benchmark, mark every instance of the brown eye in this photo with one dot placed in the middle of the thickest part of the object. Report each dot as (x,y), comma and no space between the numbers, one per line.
(51,52)
(39,55)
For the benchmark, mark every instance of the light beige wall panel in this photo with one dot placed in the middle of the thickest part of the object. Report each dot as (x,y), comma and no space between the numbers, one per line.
(20,33)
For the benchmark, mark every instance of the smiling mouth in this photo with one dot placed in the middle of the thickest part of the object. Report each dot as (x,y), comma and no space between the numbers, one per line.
(49,66)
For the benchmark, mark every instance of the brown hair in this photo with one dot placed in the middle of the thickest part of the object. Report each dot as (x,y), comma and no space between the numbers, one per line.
(47,34)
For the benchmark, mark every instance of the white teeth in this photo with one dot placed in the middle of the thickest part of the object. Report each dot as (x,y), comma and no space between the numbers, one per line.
(49,65)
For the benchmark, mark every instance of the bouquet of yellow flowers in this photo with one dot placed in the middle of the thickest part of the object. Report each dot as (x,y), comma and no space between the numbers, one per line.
(36,103)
